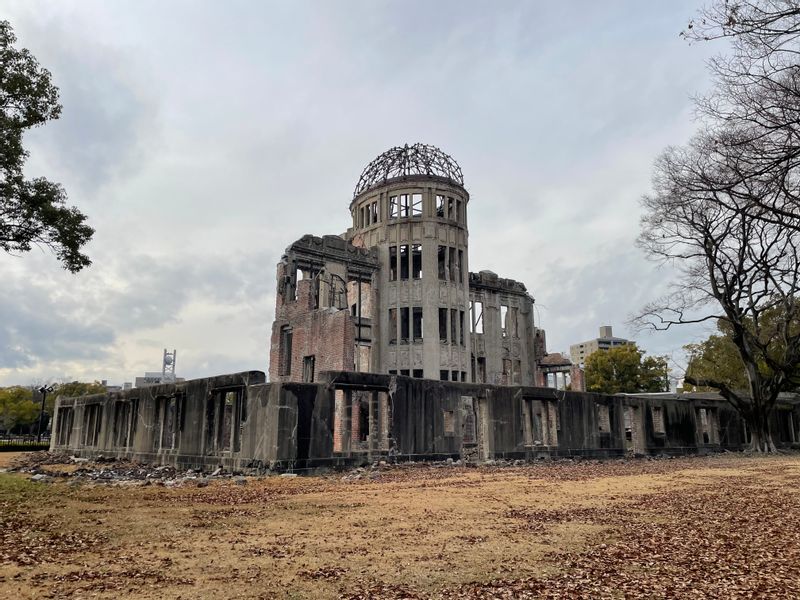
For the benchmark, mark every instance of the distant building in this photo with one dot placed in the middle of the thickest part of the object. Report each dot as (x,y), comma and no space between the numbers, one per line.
(166,375)
(156,378)
(116,388)
(580,352)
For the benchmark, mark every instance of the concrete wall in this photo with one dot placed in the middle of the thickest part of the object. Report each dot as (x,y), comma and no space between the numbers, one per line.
(188,423)
(345,418)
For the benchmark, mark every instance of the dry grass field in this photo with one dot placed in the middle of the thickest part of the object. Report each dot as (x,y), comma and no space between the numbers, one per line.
(724,527)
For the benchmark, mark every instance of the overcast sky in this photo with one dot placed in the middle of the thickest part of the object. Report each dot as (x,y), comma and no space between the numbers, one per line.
(202,138)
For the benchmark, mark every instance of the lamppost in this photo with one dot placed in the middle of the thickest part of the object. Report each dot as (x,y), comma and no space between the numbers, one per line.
(43,390)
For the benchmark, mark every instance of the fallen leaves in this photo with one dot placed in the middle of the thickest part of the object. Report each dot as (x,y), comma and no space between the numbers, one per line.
(727,529)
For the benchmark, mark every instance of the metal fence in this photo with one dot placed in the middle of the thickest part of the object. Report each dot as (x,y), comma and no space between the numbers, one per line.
(23,442)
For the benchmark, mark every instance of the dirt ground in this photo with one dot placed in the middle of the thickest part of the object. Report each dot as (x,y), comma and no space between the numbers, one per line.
(7,458)
(721,527)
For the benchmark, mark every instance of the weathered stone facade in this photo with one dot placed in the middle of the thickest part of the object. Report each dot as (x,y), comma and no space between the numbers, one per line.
(242,423)
(415,309)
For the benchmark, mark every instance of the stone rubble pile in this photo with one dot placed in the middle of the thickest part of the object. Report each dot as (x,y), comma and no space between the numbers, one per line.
(43,467)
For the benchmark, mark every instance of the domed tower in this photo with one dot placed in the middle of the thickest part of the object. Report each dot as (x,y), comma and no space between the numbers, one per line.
(411,205)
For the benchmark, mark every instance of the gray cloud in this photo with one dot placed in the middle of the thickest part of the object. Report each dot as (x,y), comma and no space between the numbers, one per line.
(36,326)
(109,118)
(85,318)
(203,138)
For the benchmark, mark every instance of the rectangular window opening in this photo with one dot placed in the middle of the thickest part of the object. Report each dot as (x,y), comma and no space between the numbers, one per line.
(404,258)
(504,320)
(392,263)
(66,416)
(416,205)
(506,367)
(603,418)
(449,422)
(514,323)
(442,257)
(416,261)
(169,423)
(658,419)
(444,375)
(481,362)
(477,316)
(453,326)
(286,350)
(443,325)
(405,206)
(404,324)
(226,421)
(468,420)
(363,421)
(308,368)
(393,207)
(417,323)
(440,206)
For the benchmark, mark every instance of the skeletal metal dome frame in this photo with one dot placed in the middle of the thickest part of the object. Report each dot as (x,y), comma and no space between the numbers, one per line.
(401,161)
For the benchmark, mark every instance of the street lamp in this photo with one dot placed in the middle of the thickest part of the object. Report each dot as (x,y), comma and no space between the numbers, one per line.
(43,390)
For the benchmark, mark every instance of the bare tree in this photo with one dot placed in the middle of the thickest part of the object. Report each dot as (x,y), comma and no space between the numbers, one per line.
(739,264)
(753,110)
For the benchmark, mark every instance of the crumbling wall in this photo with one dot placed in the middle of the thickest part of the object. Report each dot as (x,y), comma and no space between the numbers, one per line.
(230,420)
(240,422)
(318,317)
(589,424)
(420,410)
(503,337)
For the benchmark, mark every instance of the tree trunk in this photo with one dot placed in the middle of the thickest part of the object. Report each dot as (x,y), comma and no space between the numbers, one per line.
(760,435)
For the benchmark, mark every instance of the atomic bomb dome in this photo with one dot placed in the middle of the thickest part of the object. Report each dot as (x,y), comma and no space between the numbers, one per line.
(404,161)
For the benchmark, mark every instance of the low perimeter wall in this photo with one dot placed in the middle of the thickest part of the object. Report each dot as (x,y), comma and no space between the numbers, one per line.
(242,423)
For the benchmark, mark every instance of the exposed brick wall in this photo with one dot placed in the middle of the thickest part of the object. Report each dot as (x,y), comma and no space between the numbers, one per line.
(366,297)
(327,334)
(578,379)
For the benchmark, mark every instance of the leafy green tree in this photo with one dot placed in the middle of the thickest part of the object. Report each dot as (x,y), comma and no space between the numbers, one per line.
(17,407)
(715,358)
(623,370)
(654,374)
(717,363)
(71,389)
(33,212)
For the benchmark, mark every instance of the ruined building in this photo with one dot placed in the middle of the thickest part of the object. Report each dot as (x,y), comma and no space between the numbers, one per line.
(385,345)
(394,294)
